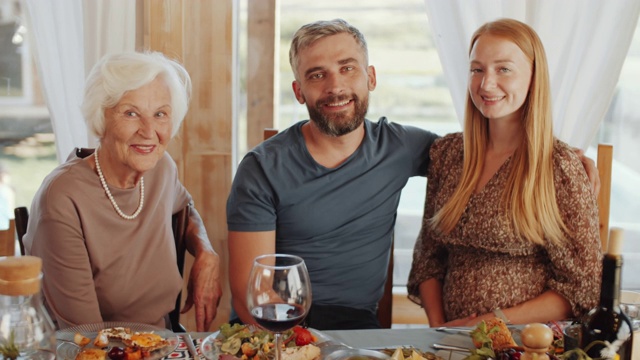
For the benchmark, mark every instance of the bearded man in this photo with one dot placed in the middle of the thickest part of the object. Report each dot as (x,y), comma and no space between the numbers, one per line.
(326,189)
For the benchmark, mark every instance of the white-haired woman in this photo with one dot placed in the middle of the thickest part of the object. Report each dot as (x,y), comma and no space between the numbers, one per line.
(102,222)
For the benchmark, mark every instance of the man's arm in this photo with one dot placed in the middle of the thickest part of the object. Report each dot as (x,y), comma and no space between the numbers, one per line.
(204,288)
(244,247)
(592,171)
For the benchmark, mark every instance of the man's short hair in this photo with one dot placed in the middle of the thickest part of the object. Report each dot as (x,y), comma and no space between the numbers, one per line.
(312,32)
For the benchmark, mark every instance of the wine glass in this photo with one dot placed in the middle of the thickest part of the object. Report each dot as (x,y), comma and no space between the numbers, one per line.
(279,293)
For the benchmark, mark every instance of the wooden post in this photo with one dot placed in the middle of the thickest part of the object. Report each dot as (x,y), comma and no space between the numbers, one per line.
(200,35)
(262,67)
(605,161)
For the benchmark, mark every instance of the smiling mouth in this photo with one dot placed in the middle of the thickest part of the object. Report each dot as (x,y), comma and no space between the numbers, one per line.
(144,148)
(338,104)
(491,99)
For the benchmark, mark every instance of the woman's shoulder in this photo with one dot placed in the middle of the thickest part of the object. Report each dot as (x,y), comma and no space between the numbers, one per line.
(67,175)
(565,156)
(569,172)
(66,182)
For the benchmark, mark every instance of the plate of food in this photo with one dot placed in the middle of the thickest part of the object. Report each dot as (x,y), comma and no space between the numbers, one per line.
(235,341)
(115,341)
(494,340)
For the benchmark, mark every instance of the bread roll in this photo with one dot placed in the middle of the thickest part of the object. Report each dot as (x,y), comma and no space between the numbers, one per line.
(92,354)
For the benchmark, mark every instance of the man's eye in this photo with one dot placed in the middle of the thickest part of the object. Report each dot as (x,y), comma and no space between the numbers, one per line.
(475,71)
(316,76)
(348,68)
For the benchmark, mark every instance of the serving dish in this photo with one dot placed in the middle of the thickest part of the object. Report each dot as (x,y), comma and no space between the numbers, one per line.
(68,350)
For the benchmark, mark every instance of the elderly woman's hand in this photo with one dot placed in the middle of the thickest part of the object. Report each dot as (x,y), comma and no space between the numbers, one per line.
(204,289)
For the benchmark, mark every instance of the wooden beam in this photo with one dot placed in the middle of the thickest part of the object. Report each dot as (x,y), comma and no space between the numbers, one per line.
(200,35)
(263,35)
(604,163)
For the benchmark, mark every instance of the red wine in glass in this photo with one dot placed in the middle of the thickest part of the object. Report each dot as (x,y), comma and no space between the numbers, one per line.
(278,317)
(278,293)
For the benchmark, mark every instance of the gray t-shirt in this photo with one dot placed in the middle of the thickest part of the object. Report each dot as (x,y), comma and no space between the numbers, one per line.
(339,220)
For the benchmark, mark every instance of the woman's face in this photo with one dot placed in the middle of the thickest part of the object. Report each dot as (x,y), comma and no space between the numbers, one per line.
(499,78)
(138,128)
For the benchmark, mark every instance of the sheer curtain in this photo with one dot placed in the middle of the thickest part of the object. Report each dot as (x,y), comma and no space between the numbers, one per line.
(586,42)
(57,33)
(69,37)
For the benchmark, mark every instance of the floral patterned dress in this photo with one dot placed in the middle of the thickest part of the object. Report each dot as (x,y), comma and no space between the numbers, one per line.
(482,264)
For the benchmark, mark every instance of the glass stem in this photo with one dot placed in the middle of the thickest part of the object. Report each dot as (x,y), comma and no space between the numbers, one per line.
(278,339)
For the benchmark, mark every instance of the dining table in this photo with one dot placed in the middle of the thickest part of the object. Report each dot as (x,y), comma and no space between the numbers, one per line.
(423,338)
(419,338)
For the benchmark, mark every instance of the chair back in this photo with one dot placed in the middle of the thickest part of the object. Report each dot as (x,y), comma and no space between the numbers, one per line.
(8,240)
(385,305)
(22,218)
(604,163)
(179,223)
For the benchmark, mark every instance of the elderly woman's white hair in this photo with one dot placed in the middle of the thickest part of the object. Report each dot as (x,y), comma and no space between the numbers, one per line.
(116,74)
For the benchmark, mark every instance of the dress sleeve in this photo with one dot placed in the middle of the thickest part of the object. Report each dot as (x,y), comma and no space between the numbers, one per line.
(57,238)
(429,259)
(576,264)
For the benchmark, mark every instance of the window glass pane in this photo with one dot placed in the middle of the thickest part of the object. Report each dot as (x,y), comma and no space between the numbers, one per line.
(621,128)
(15,77)
(27,150)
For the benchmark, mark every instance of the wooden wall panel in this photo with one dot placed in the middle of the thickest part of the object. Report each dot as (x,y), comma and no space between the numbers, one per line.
(263,30)
(200,34)
(162,31)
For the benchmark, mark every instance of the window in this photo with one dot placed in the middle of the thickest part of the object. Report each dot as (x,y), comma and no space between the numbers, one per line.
(15,75)
(27,150)
(621,128)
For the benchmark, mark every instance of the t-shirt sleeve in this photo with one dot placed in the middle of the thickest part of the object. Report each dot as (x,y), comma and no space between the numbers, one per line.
(418,143)
(251,205)
(576,264)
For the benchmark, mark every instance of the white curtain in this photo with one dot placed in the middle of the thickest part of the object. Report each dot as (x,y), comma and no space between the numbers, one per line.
(586,42)
(57,33)
(69,37)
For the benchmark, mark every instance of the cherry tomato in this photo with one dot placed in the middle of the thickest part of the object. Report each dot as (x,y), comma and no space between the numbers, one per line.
(303,336)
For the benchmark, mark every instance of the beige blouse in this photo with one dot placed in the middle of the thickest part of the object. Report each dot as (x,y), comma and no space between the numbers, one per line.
(98,266)
(483,265)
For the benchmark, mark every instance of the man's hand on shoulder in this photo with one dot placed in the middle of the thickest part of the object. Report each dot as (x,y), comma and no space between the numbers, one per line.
(591,169)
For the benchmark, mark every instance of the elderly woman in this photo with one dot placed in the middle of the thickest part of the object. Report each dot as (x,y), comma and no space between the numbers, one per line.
(102,223)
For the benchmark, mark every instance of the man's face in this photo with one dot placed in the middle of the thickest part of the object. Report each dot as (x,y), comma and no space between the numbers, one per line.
(334,81)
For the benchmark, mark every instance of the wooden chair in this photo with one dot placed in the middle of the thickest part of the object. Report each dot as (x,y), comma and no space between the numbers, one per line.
(8,240)
(385,305)
(604,163)
(179,223)
(22,218)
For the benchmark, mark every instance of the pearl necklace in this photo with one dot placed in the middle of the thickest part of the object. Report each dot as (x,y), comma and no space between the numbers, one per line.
(113,201)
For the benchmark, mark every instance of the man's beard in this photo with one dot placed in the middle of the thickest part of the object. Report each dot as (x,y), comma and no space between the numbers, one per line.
(338,124)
